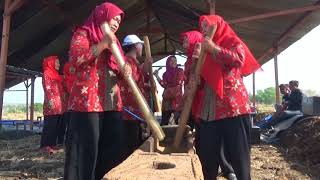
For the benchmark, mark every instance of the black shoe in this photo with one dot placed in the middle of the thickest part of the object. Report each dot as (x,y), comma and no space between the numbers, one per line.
(231,176)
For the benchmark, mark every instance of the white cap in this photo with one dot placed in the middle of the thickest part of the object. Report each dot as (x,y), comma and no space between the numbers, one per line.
(131,39)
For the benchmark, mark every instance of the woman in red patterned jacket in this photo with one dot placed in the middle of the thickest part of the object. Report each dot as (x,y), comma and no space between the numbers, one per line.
(172,82)
(95,133)
(192,45)
(132,46)
(52,105)
(223,108)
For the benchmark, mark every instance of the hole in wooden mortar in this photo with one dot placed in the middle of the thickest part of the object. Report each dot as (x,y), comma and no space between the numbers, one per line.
(163,165)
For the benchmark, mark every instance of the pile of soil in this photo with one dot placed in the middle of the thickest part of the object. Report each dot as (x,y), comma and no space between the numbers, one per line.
(302,142)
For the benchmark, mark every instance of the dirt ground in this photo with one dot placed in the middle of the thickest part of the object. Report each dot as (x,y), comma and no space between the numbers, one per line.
(20,158)
(298,157)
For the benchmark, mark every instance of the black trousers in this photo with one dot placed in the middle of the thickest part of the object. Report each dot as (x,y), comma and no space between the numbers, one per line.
(224,164)
(67,117)
(233,135)
(132,136)
(166,117)
(61,128)
(94,144)
(50,132)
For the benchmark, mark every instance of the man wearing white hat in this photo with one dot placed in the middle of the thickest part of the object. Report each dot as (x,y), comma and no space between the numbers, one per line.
(132,46)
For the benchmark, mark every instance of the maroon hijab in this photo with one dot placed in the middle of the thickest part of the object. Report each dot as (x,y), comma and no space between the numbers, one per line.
(170,75)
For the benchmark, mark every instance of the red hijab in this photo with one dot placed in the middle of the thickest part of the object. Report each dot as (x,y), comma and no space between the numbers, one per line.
(193,37)
(226,38)
(49,69)
(102,13)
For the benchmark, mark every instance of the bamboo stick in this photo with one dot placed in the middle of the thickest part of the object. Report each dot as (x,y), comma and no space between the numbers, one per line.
(146,113)
(155,96)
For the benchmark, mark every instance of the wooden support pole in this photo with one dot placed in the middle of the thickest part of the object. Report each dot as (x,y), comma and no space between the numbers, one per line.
(4,52)
(26,84)
(276,78)
(32,103)
(254,89)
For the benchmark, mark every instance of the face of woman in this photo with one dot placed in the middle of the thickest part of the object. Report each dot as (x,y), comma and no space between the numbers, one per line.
(114,23)
(196,51)
(185,43)
(57,65)
(173,62)
(204,27)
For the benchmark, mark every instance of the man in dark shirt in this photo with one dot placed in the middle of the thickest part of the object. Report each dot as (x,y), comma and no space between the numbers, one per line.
(295,97)
(293,104)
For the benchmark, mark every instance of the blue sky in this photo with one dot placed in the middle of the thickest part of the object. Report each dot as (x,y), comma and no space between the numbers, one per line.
(301,61)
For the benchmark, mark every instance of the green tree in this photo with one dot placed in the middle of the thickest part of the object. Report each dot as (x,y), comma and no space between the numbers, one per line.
(266,96)
(38,107)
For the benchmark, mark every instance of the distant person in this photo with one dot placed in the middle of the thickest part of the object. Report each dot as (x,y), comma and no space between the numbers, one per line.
(172,82)
(295,97)
(132,47)
(52,105)
(293,104)
(285,91)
